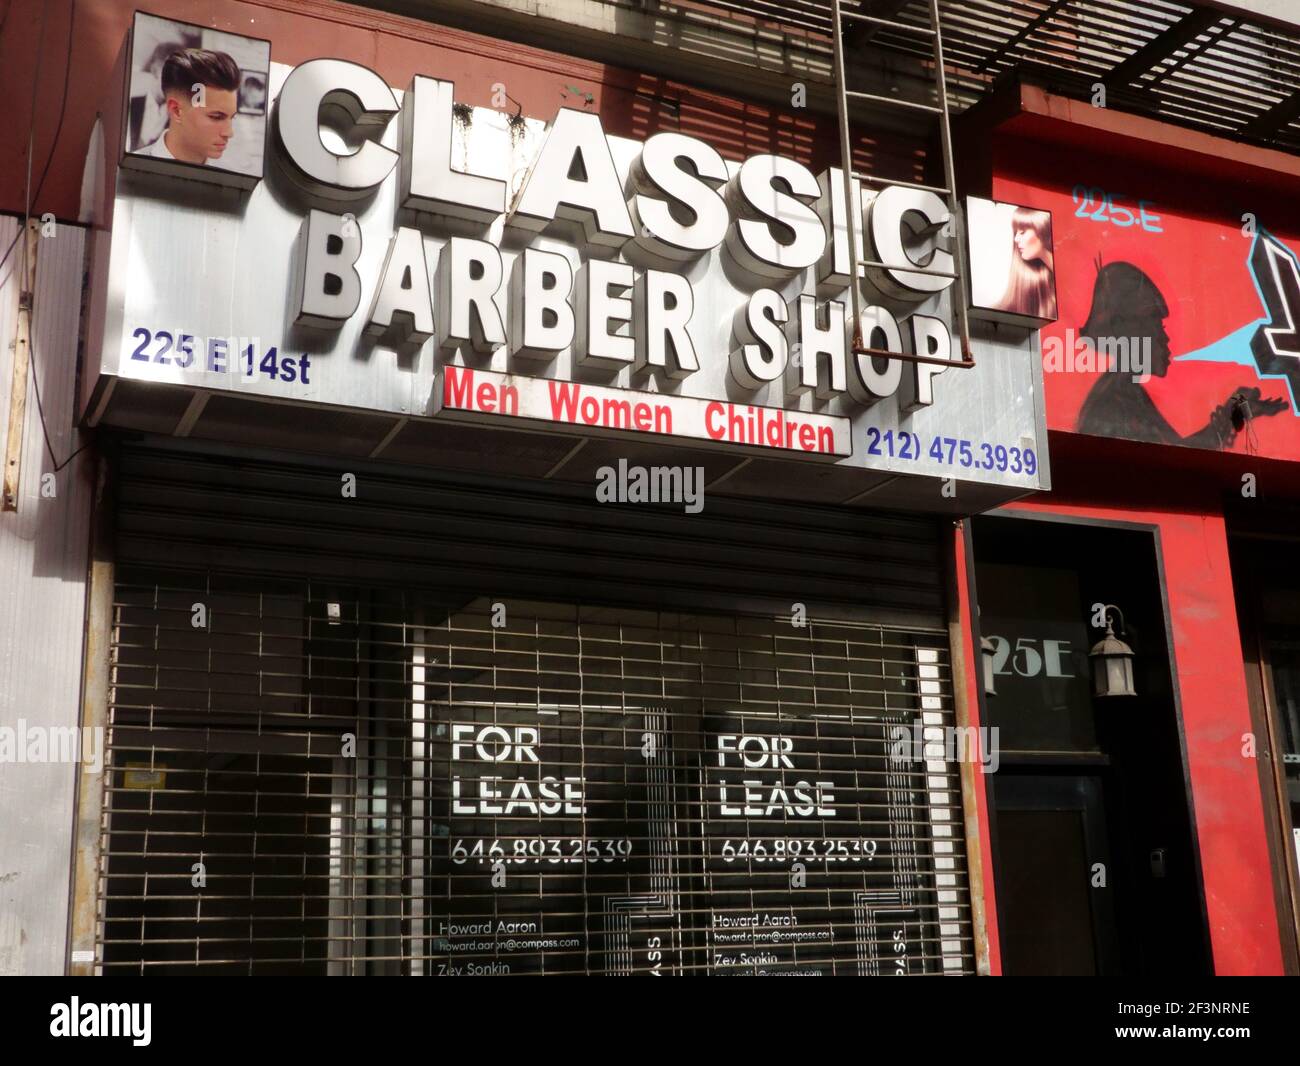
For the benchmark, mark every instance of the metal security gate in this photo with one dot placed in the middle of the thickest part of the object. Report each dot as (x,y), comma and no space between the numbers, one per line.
(311,774)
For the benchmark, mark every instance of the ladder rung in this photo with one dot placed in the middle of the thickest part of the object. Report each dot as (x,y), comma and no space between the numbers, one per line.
(942,190)
(932,109)
(907,27)
(909,267)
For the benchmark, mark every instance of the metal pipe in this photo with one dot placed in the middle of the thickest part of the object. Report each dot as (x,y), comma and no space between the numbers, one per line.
(966,362)
(846,165)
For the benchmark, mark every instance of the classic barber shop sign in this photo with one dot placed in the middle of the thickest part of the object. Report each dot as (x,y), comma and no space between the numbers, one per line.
(424,258)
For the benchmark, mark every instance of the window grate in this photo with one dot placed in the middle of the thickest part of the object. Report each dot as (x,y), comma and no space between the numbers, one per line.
(377,781)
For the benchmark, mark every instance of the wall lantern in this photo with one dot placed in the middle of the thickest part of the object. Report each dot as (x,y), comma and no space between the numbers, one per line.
(987,652)
(1112,661)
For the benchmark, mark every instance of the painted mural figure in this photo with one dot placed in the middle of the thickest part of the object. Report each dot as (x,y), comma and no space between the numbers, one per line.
(1126,304)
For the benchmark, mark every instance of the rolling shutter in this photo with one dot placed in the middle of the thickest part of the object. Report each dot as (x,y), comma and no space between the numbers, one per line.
(458,726)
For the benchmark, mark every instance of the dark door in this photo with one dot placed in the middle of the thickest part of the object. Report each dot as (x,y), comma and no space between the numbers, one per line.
(1054,863)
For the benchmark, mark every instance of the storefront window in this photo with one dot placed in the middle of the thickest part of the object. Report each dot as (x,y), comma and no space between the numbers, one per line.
(1036,618)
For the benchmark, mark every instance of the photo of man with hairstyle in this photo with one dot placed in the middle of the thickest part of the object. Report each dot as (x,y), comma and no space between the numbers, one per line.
(196,104)
(201,93)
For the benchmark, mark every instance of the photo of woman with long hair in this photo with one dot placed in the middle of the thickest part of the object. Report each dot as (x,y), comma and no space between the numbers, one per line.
(1031,286)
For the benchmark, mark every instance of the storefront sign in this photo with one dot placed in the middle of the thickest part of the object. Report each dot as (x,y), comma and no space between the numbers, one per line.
(788,803)
(402,253)
(552,857)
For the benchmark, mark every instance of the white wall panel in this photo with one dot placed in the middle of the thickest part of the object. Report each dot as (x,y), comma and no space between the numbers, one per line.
(42,607)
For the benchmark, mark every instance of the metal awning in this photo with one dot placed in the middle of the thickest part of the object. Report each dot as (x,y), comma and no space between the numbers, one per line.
(1189,64)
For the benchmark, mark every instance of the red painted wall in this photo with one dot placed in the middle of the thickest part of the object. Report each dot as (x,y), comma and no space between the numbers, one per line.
(974,675)
(1193,247)
(1228,807)
(1199,263)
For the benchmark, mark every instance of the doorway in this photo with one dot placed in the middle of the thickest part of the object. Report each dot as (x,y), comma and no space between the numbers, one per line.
(1095,861)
